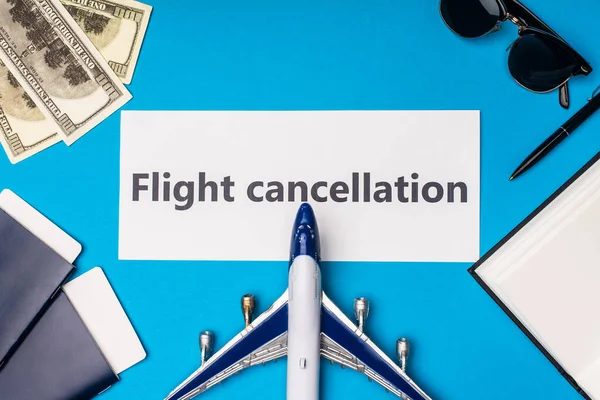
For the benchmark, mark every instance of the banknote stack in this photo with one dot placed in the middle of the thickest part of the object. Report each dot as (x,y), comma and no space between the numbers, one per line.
(63,66)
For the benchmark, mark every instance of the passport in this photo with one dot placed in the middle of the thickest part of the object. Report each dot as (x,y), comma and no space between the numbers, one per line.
(60,341)
(57,360)
(30,275)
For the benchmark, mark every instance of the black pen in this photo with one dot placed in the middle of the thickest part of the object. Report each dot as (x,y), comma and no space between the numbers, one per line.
(561,133)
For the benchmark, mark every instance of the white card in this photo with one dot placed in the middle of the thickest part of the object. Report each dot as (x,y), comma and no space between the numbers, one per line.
(40,226)
(167,211)
(100,310)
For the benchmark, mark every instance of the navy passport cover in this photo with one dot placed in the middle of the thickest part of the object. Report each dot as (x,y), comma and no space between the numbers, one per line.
(30,273)
(57,360)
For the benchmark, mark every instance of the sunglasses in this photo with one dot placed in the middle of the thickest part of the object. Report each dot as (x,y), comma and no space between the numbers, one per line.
(539,60)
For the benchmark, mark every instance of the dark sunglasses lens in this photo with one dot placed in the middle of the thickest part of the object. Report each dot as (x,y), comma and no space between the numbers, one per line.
(470,18)
(540,62)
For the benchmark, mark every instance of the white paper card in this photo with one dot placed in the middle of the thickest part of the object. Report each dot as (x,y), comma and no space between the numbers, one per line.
(385,185)
(100,310)
(32,220)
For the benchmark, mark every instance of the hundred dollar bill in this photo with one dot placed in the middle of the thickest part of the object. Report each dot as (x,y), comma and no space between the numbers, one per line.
(57,65)
(115,27)
(24,130)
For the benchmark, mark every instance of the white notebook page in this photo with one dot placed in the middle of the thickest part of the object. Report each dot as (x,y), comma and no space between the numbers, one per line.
(548,275)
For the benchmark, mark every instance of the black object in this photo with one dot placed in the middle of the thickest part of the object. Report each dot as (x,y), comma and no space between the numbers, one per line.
(57,360)
(539,60)
(30,274)
(490,292)
(561,133)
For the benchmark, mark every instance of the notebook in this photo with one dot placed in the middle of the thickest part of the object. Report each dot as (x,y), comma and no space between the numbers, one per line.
(545,274)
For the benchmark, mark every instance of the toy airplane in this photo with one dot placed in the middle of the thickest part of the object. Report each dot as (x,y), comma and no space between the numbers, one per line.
(303,325)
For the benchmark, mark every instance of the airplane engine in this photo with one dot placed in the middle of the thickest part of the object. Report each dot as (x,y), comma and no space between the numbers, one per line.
(402,348)
(207,341)
(361,311)
(248,305)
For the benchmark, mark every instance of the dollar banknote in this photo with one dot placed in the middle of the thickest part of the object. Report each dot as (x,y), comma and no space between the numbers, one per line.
(115,27)
(24,130)
(58,66)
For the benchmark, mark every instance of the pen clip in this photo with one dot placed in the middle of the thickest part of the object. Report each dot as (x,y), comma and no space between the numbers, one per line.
(594,93)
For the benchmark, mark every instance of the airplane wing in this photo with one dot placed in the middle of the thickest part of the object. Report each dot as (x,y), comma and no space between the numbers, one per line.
(342,342)
(263,340)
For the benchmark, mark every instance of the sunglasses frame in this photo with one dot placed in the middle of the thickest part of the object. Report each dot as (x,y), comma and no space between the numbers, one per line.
(529,23)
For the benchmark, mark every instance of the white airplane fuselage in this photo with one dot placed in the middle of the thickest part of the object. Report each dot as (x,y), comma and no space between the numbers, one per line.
(304,329)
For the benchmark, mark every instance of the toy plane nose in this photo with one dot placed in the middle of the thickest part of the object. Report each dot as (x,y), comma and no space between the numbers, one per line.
(305,235)
(305,216)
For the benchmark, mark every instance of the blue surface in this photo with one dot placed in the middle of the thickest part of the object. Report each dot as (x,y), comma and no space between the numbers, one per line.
(353,54)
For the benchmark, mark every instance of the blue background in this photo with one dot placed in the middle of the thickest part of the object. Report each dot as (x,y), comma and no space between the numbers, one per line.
(352,54)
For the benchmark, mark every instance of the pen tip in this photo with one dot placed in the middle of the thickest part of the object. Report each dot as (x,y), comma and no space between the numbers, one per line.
(511,178)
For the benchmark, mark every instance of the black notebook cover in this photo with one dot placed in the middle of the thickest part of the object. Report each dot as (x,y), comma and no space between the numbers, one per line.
(505,308)
(30,274)
(57,360)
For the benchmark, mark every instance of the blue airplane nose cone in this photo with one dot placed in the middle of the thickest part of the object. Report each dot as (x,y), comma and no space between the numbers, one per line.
(305,235)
